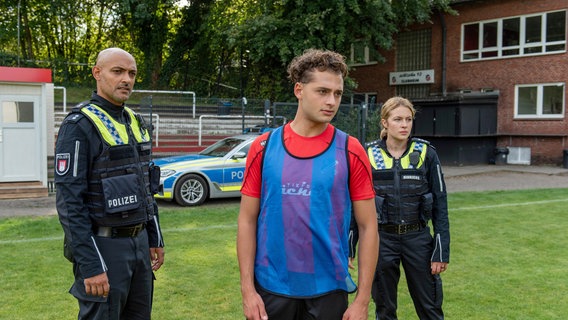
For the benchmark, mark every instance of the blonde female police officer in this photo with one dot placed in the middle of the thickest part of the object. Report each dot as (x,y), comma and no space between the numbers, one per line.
(410,191)
(104,199)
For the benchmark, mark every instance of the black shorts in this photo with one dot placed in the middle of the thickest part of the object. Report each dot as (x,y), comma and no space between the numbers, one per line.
(330,306)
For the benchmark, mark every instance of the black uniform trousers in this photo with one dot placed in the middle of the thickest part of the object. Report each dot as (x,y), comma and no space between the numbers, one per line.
(413,250)
(330,306)
(130,277)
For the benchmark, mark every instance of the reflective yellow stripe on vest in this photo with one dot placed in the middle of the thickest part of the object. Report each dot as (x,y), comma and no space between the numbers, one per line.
(140,134)
(381,160)
(112,131)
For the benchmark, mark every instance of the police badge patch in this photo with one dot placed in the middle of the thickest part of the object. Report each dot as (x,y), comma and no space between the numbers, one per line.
(62,163)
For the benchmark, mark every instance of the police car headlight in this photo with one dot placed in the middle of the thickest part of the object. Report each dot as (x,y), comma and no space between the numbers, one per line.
(166,173)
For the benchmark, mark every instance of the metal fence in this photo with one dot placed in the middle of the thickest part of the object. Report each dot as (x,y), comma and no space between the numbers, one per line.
(359,120)
(184,113)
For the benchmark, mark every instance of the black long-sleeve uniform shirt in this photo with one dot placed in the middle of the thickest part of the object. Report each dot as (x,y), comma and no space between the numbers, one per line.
(80,143)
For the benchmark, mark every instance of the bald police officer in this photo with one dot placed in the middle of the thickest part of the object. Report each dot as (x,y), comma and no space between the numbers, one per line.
(104,199)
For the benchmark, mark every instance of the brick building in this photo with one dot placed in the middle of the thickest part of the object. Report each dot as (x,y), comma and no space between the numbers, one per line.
(491,77)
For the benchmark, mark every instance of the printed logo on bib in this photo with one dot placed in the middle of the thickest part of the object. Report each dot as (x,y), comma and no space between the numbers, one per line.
(297,189)
(62,163)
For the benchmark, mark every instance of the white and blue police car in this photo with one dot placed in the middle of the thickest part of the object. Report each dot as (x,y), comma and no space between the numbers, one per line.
(216,172)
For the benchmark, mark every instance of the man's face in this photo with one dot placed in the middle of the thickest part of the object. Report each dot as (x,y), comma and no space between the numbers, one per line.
(319,99)
(115,77)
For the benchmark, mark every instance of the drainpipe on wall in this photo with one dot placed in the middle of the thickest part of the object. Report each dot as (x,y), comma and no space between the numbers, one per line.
(444,45)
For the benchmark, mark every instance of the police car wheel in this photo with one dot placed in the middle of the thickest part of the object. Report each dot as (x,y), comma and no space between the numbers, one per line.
(191,190)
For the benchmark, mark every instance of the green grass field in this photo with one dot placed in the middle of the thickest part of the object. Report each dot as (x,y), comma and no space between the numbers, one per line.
(508,261)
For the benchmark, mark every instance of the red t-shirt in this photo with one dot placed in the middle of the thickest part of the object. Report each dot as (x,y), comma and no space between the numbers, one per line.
(360,178)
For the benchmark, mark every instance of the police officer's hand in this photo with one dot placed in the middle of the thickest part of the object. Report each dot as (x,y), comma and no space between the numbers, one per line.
(157,258)
(97,286)
(350,263)
(439,267)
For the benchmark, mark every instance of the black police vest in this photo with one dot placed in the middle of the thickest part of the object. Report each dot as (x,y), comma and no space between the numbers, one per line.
(401,186)
(119,188)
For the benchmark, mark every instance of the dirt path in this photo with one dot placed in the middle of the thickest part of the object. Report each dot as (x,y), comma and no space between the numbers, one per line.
(509,177)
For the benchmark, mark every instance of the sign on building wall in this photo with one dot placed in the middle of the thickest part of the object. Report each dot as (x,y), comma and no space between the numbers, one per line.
(411,77)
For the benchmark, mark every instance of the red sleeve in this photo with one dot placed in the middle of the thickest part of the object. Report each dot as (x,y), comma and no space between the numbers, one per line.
(360,178)
(252,179)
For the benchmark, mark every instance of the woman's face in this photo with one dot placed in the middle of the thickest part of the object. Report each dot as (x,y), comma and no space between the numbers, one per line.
(398,123)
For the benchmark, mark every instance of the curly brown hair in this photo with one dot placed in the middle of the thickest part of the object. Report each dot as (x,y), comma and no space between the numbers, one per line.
(301,67)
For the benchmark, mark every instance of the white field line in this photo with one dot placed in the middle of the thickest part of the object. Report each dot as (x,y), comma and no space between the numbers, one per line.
(502,205)
(223,226)
(229,226)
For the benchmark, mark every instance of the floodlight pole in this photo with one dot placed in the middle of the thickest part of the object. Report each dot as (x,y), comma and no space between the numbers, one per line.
(243,99)
(19,48)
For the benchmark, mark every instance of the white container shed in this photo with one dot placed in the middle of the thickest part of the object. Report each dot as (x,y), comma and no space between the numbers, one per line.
(26,131)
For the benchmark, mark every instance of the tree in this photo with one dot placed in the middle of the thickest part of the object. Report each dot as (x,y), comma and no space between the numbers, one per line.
(63,35)
(189,50)
(213,47)
(279,30)
(148,23)
(9,51)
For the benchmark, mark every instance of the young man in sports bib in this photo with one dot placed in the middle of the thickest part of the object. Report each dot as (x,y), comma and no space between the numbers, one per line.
(302,183)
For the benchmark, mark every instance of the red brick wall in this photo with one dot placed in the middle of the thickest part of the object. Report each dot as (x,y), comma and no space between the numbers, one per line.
(546,138)
(375,78)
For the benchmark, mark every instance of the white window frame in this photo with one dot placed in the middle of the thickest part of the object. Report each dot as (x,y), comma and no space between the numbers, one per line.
(521,46)
(368,97)
(539,101)
(366,54)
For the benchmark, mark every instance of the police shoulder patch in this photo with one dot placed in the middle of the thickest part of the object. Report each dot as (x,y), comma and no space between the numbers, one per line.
(62,163)
(372,143)
(421,140)
(73,117)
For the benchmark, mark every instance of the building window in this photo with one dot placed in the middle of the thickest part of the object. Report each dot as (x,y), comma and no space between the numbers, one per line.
(539,101)
(368,98)
(414,52)
(17,112)
(361,54)
(543,33)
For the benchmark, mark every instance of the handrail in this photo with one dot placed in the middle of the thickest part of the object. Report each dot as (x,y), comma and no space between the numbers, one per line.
(157,127)
(64,97)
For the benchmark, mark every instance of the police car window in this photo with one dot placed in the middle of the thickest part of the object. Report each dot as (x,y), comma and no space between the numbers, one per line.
(222,147)
(245,149)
